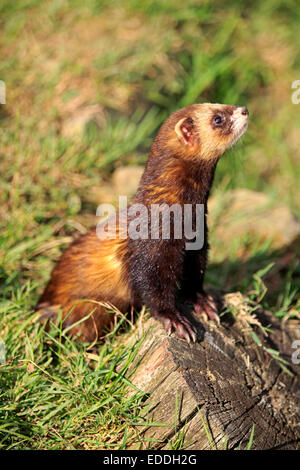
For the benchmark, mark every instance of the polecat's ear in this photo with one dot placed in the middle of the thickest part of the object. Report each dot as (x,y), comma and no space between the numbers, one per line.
(186,131)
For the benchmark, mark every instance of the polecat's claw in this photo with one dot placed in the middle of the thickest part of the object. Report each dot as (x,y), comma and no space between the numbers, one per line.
(47,312)
(168,326)
(205,305)
(179,324)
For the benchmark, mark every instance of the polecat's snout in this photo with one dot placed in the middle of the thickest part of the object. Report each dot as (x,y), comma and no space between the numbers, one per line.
(239,121)
(245,111)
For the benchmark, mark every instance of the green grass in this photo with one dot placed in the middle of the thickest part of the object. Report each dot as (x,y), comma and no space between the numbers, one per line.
(139,60)
(63,396)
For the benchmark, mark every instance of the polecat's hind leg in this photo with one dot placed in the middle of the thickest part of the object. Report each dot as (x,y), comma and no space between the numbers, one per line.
(89,329)
(47,313)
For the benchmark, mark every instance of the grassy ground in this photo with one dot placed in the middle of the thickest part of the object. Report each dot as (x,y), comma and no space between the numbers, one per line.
(139,60)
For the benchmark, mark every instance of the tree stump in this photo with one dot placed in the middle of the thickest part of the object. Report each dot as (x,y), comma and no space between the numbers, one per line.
(213,393)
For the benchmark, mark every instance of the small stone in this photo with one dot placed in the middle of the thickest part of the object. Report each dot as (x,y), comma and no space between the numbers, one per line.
(75,124)
(126,180)
(241,213)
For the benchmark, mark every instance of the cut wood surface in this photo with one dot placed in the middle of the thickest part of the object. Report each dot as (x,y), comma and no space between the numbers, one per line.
(213,393)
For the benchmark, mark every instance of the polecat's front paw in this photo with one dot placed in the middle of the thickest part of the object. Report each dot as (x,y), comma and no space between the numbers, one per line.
(205,305)
(178,323)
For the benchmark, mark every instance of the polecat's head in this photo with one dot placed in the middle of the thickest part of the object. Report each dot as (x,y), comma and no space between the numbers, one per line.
(205,130)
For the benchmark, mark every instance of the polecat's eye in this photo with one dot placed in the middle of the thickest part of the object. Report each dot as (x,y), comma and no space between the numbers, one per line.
(218,119)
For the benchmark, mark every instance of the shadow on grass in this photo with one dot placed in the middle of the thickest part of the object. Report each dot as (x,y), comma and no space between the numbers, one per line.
(282,280)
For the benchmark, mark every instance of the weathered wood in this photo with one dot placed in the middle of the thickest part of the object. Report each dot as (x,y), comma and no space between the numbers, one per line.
(226,380)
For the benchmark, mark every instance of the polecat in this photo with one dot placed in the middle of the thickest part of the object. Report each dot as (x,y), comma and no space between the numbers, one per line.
(151,271)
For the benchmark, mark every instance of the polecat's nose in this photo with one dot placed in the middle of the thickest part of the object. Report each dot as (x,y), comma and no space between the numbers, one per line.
(245,111)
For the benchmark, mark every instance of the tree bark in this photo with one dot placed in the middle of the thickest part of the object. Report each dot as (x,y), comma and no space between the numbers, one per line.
(213,393)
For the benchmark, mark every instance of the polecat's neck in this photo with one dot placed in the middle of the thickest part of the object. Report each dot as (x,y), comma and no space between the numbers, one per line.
(196,179)
(171,179)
